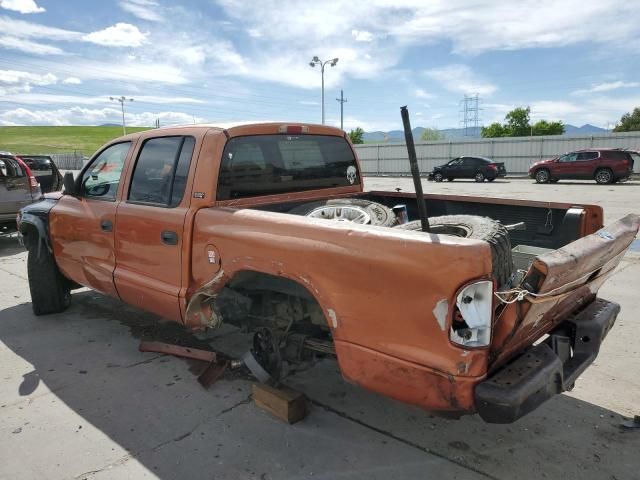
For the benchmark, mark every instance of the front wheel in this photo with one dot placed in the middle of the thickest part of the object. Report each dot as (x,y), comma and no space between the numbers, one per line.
(542,176)
(438,177)
(50,292)
(479,177)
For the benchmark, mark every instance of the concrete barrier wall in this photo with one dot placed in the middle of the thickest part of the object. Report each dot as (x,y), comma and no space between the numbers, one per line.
(516,153)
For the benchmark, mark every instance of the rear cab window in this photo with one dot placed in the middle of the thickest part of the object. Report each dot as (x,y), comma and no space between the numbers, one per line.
(161,171)
(282,163)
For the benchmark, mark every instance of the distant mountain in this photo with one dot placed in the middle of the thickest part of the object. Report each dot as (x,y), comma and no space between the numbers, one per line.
(397,136)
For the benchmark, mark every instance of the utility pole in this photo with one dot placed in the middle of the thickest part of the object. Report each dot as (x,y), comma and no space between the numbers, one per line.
(122,101)
(342,101)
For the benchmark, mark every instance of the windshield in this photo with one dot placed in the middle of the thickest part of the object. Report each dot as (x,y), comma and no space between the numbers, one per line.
(270,164)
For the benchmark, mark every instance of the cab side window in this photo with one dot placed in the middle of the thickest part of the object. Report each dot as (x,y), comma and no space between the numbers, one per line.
(161,171)
(585,156)
(100,180)
(569,157)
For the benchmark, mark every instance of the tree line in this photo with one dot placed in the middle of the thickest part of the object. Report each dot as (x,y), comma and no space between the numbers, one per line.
(517,123)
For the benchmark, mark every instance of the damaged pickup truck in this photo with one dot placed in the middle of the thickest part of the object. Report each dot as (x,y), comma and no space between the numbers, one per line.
(267,227)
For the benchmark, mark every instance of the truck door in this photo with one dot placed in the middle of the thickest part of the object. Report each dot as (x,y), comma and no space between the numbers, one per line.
(150,226)
(82,226)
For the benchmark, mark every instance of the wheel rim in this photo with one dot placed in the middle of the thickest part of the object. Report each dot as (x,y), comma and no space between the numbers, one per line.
(542,176)
(603,176)
(479,177)
(438,177)
(342,213)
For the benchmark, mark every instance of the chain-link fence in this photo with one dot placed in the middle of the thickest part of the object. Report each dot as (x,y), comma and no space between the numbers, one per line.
(68,161)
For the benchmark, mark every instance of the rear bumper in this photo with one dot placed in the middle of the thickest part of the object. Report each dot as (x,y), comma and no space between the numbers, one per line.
(548,368)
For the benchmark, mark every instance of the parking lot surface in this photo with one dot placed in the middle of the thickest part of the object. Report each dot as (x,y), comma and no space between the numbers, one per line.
(78,400)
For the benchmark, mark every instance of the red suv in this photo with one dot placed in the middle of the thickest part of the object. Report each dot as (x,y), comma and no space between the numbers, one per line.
(604,165)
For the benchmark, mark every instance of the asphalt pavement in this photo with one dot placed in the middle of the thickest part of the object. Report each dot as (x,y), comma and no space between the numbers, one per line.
(78,400)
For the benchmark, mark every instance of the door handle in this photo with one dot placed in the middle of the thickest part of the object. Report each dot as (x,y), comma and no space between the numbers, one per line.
(169,238)
(106,225)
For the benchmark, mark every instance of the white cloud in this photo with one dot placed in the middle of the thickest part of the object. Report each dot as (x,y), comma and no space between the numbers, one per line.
(362,35)
(14,77)
(606,87)
(420,93)
(27,46)
(143,9)
(460,79)
(86,116)
(22,6)
(72,81)
(118,35)
(23,29)
(53,99)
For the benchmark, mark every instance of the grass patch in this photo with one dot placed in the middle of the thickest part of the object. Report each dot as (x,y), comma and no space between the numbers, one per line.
(84,140)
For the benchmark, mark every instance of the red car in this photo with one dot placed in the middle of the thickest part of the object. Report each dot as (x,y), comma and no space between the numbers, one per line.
(604,165)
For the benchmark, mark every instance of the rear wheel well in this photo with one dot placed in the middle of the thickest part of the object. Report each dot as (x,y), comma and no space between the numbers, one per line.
(252,299)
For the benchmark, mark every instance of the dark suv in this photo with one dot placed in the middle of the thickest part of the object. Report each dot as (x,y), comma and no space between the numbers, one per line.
(478,168)
(604,165)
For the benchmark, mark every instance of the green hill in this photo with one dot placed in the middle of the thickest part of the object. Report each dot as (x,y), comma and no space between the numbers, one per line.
(85,140)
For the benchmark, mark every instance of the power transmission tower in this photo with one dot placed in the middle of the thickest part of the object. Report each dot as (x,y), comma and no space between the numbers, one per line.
(342,101)
(470,109)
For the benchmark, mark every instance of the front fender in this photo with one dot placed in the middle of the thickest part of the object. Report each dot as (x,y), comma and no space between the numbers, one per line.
(33,226)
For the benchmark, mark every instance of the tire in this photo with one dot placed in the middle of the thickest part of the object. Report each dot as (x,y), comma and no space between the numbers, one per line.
(603,176)
(49,289)
(479,228)
(479,177)
(450,179)
(438,177)
(543,176)
(348,210)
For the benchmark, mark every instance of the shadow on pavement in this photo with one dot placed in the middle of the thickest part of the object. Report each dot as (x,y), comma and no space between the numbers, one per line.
(152,406)
(9,245)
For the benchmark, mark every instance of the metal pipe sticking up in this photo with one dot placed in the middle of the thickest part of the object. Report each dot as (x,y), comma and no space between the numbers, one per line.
(415,172)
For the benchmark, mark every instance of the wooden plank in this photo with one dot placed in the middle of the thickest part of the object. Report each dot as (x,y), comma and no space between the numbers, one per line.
(178,351)
(284,403)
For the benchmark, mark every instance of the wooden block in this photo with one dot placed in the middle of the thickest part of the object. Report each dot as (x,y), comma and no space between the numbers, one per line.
(284,403)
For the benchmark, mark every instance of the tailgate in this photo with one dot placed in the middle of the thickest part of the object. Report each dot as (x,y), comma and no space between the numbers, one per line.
(561,282)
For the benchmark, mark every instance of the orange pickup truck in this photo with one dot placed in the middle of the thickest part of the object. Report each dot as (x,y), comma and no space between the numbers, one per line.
(267,227)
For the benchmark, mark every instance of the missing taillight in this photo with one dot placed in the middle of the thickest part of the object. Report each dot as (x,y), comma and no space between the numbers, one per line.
(471,326)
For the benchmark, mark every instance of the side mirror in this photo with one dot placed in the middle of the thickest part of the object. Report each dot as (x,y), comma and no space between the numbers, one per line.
(69,184)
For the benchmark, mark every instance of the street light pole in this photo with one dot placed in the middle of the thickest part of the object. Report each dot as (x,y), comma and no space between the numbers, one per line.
(122,100)
(316,61)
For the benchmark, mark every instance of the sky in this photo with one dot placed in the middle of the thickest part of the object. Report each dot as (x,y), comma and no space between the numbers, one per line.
(226,61)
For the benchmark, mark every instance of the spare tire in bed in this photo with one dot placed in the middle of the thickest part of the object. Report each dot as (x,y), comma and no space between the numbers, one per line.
(348,210)
(479,228)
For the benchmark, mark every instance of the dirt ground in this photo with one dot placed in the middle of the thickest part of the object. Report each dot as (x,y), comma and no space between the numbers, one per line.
(78,400)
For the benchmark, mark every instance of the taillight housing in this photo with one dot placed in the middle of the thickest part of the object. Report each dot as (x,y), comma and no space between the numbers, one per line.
(471,325)
(33,183)
(493,166)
